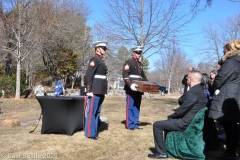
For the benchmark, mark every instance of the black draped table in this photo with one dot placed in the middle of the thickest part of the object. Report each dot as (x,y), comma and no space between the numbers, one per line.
(62,114)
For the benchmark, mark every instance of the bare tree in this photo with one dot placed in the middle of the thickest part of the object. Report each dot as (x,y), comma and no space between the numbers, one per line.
(213,42)
(146,23)
(20,19)
(85,52)
(230,28)
(205,67)
(203,4)
(172,64)
(33,28)
(217,35)
(68,30)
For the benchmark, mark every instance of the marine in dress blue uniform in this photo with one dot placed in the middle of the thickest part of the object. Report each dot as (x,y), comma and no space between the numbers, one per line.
(96,85)
(133,70)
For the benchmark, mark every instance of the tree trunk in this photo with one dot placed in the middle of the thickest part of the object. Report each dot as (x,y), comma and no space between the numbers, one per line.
(82,79)
(18,74)
(17,96)
(169,89)
(27,73)
(169,83)
(73,79)
(30,81)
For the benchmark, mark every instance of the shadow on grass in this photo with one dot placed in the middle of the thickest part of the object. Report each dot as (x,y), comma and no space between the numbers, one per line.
(144,123)
(153,150)
(139,123)
(170,101)
(102,126)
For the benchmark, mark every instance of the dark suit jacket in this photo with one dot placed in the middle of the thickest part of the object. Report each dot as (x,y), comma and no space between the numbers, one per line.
(190,103)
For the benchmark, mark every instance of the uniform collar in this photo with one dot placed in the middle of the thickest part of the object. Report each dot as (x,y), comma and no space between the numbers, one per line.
(135,59)
(98,56)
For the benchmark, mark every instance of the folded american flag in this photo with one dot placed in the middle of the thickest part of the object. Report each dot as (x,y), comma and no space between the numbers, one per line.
(58,89)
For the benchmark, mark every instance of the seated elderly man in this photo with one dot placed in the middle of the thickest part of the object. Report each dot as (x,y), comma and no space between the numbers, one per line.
(190,103)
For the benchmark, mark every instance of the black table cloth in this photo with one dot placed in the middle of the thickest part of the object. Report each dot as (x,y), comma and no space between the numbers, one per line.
(62,114)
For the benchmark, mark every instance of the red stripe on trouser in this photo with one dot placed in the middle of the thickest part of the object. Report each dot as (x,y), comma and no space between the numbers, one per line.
(127,106)
(90,116)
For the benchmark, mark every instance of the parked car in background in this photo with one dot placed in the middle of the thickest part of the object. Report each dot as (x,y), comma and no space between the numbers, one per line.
(162,89)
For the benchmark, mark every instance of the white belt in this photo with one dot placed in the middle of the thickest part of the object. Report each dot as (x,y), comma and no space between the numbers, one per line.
(134,76)
(100,76)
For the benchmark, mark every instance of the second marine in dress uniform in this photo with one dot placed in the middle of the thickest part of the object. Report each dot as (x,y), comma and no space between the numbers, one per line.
(96,85)
(133,70)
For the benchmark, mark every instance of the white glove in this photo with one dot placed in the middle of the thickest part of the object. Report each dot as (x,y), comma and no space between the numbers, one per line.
(217,92)
(133,87)
(90,94)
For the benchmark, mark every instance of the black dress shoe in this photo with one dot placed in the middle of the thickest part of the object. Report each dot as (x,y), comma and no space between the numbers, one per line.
(157,156)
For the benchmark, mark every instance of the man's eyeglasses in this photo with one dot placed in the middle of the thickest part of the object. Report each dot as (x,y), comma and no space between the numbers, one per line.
(138,52)
(103,47)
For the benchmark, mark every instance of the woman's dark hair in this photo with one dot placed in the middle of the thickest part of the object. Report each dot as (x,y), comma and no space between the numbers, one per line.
(214,72)
(205,79)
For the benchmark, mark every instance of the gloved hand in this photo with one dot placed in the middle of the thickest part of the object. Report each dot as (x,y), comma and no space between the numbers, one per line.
(133,87)
(217,92)
(90,94)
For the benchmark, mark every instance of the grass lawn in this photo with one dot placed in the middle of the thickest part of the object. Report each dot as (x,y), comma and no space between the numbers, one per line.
(115,142)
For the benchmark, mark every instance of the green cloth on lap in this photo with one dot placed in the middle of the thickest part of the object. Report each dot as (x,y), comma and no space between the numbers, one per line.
(188,144)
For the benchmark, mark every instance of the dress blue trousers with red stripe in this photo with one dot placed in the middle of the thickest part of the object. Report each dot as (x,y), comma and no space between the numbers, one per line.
(92,114)
(133,103)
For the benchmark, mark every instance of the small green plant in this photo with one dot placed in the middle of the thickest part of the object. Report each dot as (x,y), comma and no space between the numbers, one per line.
(8,85)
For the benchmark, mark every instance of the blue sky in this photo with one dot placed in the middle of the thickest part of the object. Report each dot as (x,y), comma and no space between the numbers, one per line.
(219,11)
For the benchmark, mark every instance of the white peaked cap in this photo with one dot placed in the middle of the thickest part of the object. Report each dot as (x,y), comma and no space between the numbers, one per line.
(137,48)
(100,43)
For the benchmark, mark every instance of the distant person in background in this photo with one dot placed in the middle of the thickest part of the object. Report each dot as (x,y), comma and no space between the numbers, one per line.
(209,130)
(213,74)
(225,103)
(133,70)
(205,83)
(8,68)
(96,87)
(218,125)
(184,81)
